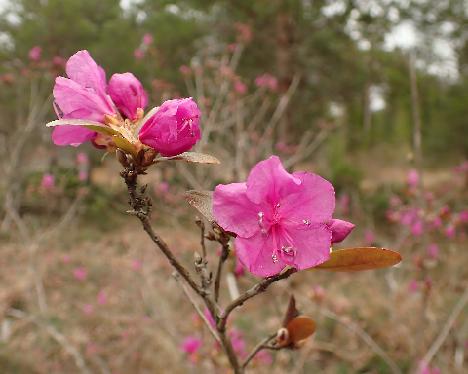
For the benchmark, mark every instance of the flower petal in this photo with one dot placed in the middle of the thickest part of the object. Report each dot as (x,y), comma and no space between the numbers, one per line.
(128,94)
(340,229)
(71,135)
(256,252)
(312,245)
(269,182)
(314,203)
(82,69)
(233,211)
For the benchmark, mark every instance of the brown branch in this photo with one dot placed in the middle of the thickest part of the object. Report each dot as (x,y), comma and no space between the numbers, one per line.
(255,290)
(222,258)
(260,346)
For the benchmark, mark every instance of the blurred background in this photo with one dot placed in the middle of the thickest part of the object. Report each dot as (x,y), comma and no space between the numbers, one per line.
(370,94)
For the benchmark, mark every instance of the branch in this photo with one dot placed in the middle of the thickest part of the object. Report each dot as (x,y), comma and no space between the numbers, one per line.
(222,258)
(255,290)
(260,346)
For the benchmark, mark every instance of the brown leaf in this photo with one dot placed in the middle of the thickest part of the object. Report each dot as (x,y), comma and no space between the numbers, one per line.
(201,201)
(291,312)
(300,328)
(360,258)
(193,157)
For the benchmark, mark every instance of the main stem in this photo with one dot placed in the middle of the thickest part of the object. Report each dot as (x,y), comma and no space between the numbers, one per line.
(141,206)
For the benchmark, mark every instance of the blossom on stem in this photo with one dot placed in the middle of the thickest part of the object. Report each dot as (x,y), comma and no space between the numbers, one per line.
(128,94)
(280,219)
(174,128)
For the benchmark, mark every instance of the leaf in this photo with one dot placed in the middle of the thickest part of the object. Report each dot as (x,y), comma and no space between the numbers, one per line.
(299,329)
(201,201)
(291,312)
(360,258)
(193,157)
(95,126)
(124,145)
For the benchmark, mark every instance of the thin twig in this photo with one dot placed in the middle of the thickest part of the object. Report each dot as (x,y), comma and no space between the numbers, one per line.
(196,307)
(222,258)
(255,290)
(260,346)
(446,329)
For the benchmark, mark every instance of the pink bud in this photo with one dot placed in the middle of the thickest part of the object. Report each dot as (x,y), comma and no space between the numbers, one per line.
(267,81)
(139,54)
(191,345)
(174,128)
(101,298)
(240,87)
(80,273)
(35,53)
(413,286)
(433,251)
(450,231)
(463,216)
(128,94)
(147,39)
(340,230)
(413,178)
(82,158)
(369,237)
(83,175)
(48,182)
(417,228)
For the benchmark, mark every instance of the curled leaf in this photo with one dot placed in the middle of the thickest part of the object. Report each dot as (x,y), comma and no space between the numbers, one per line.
(201,201)
(193,157)
(360,258)
(295,333)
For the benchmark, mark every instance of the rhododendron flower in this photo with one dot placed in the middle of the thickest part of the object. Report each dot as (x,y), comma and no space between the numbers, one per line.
(48,182)
(80,96)
(147,39)
(267,81)
(413,178)
(139,54)
(80,273)
(417,228)
(240,87)
(191,345)
(174,128)
(280,219)
(128,95)
(238,342)
(433,251)
(369,237)
(35,53)
(413,286)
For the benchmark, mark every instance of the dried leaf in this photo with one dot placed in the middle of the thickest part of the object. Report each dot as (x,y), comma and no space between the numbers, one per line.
(360,258)
(300,328)
(291,312)
(193,157)
(94,126)
(201,201)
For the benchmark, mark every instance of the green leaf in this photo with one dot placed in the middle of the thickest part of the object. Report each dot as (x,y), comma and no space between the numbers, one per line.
(360,258)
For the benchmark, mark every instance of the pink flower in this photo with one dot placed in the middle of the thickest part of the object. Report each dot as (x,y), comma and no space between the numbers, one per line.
(88,309)
(436,222)
(102,297)
(83,175)
(82,158)
(240,87)
(80,273)
(450,231)
(35,53)
(174,128)
(417,228)
(369,237)
(413,178)
(128,94)
(147,39)
(239,270)
(139,54)
(80,96)
(136,265)
(463,216)
(340,230)
(267,81)
(413,286)
(264,358)
(238,342)
(280,219)
(58,61)
(425,369)
(191,345)
(48,182)
(433,251)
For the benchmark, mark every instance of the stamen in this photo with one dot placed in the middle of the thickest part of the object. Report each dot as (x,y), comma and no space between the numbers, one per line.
(274,257)
(306,222)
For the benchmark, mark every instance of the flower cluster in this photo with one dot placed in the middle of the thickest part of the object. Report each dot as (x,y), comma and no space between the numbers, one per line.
(111,115)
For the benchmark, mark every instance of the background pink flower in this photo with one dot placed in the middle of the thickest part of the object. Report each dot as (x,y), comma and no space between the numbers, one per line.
(35,53)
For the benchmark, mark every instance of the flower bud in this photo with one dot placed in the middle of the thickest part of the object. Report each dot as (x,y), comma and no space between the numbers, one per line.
(174,128)
(128,94)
